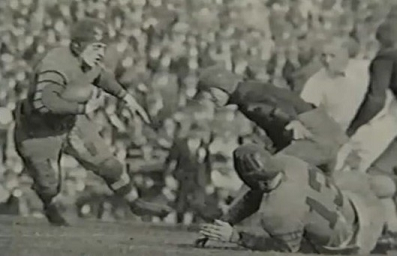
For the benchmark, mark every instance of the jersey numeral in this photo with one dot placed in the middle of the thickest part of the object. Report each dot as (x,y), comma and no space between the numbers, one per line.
(317,206)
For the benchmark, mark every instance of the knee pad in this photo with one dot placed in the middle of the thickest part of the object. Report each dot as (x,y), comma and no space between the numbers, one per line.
(46,193)
(111,170)
(383,186)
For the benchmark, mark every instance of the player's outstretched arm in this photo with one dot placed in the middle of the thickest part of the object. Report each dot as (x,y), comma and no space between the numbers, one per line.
(285,109)
(109,84)
(243,206)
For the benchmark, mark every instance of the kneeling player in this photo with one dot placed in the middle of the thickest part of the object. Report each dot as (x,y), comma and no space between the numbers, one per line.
(297,203)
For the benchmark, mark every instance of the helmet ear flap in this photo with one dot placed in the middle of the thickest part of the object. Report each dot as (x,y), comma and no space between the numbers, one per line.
(76,47)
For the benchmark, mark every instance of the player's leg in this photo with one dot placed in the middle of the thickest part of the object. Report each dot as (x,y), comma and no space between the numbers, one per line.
(384,186)
(372,139)
(182,201)
(381,186)
(370,221)
(86,145)
(41,159)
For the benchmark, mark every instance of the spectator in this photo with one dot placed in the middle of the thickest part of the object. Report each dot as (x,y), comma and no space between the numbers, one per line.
(340,86)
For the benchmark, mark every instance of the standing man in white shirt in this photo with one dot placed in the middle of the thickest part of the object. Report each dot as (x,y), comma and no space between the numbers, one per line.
(340,86)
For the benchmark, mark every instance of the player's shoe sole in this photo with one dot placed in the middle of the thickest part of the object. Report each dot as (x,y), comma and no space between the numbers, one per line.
(143,208)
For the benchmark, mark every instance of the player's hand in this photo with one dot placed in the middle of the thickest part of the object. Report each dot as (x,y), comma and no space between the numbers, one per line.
(347,158)
(93,104)
(220,231)
(134,107)
(299,131)
(93,54)
(116,122)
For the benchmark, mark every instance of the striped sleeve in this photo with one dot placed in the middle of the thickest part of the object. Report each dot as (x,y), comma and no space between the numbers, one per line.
(46,97)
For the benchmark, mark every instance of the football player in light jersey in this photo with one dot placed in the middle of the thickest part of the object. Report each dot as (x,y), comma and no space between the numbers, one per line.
(52,120)
(297,204)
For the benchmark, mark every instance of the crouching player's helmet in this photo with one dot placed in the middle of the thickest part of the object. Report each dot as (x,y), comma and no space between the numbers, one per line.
(256,167)
(88,31)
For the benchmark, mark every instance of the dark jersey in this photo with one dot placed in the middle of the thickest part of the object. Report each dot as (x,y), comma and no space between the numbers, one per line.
(383,76)
(271,108)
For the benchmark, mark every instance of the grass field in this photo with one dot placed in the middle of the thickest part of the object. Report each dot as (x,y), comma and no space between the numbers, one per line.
(34,237)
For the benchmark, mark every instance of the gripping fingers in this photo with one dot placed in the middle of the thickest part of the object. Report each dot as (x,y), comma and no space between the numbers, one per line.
(143,115)
(211,235)
(211,231)
(220,223)
(210,227)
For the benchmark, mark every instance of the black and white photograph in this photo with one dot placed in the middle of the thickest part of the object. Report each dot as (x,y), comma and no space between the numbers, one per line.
(198,127)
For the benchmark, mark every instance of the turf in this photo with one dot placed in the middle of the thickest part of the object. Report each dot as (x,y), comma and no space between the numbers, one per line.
(34,237)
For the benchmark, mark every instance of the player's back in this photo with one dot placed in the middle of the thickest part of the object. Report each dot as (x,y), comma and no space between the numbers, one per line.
(260,101)
(306,204)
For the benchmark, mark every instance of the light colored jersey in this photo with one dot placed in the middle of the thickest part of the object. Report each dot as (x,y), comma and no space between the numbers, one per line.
(310,213)
(341,96)
(306,205)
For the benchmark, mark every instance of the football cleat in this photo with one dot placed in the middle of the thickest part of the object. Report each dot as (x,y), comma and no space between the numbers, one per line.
(54,216)
(143,208)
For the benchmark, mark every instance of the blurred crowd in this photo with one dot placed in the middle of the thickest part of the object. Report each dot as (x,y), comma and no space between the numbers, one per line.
(157,50)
